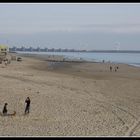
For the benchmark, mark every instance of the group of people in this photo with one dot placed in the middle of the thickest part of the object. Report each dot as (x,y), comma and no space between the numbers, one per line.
(115,68)
(27,108)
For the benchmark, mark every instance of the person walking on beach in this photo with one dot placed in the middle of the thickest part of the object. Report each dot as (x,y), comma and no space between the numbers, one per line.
(27,101)
(5,109)
(110,68)
(6,62)
(116,67)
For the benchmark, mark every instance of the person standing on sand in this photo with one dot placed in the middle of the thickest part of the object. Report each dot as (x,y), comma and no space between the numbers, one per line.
(110,68)
(115,68)
(6,62)
(5,109)
(27,101)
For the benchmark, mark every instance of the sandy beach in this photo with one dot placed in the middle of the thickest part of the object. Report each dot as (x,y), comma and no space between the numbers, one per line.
(70,99)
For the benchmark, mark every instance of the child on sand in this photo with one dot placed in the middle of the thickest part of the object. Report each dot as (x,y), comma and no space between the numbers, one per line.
(5,109)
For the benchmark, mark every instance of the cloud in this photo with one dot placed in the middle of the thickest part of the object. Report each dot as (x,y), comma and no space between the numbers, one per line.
(127,28)
(112,28)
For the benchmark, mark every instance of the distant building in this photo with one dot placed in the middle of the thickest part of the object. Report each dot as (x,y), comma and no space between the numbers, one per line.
(22,48)
(45,49)
(38,49)
(30,49)
(14,48)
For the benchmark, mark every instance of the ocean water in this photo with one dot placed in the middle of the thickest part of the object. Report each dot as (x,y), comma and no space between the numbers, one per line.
(126,58)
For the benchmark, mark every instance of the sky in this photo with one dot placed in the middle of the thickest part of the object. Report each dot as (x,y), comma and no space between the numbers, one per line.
(73,26)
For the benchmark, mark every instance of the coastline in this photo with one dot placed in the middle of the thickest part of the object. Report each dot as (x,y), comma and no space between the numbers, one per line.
(62,58)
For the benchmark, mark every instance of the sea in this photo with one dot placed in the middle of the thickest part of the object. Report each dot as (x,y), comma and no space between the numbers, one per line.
(124,58)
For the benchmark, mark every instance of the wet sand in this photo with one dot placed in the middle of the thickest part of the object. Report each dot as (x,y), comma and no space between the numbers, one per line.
(70,99)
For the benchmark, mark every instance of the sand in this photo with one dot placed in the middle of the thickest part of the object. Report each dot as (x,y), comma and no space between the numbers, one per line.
(70,99)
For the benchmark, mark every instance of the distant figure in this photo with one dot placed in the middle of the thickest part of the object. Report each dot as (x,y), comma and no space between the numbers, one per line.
(110,68)
(5,109)
(27,101)
(6,62)
(115,68)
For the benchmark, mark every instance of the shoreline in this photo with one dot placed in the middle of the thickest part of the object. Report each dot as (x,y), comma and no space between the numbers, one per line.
(61,59)
(56,57)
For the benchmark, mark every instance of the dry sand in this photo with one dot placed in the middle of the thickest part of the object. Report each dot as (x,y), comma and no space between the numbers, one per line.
(70,99)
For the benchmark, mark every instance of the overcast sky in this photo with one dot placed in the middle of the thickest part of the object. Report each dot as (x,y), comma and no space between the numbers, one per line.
(78,26)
